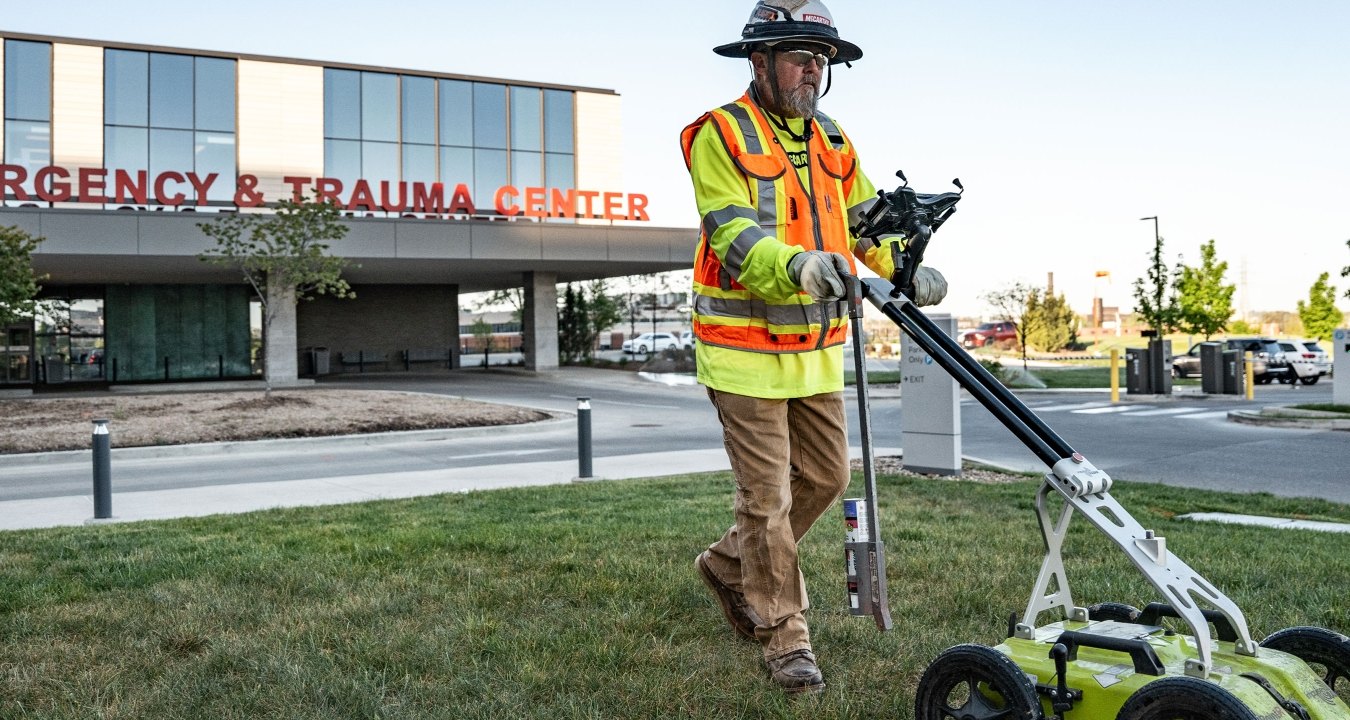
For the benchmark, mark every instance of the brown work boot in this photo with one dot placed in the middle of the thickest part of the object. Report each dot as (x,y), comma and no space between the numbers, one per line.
(737,611)
(797,673)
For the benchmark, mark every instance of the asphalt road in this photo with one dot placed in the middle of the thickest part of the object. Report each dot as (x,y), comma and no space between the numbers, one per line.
(1178,441)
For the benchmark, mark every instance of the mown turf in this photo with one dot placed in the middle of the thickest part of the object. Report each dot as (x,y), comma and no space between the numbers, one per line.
(566,602)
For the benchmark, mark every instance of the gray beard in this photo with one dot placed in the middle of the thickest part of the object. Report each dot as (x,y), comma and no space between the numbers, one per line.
(801,102)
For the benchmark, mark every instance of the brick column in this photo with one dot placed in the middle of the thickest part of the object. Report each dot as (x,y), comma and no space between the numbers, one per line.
(540,320)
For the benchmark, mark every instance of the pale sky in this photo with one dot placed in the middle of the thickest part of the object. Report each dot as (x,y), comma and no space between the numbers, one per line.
(1066,120)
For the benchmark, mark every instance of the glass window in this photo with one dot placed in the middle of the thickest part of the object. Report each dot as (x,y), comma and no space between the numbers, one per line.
(171,91)
(489,115)
(419,110)
(126,88)
(419,163)
(456,104)
(342,160)
(28,144)
(527,169)
(28,81)
(559,171)
(171,150)
(379,107)
(525,119)
(489,173)
(379,161)
(215,94)
(215,154)
(456,167)
(342,104)
(125,149)
(558,122)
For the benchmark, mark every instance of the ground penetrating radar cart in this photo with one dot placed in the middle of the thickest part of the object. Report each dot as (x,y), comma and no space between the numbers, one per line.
(1110,660)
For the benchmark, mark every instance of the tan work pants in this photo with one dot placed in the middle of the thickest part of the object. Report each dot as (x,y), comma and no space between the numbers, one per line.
(790,458)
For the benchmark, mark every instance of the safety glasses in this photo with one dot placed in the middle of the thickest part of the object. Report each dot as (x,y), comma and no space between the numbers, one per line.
(801,57)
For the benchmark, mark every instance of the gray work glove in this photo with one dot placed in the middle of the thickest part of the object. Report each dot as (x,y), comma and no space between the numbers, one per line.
(823,275)
(929,286)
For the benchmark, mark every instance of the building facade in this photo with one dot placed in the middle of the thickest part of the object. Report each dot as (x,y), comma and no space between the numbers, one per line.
(114,153)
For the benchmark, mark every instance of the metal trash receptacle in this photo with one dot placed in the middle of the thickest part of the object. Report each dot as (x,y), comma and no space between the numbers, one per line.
(1234,373)
(1136,372)
(319,360)
(1160,366)
(1212,369)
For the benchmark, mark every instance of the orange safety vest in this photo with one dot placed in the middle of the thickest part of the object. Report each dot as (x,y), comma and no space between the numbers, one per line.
(725,313)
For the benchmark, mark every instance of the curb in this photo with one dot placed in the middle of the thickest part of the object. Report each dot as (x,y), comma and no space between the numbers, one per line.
(1249,417)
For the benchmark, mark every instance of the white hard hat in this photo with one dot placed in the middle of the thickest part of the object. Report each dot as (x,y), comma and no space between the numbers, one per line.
(786,20)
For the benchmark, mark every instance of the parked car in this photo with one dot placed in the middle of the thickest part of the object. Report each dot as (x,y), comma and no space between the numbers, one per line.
(687,339)
(990,332)
(1320,357)
(1302,363)
(651,342)
(1188,365)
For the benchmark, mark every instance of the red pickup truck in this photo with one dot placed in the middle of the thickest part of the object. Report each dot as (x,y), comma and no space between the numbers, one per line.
(990,332)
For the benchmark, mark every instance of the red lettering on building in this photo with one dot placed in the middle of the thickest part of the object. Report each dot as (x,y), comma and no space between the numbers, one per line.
(386,204)
(428,198)
(589,196)
(91,180)
(124,187)
(327,189)
(161,181)
(564,205)
(461,203)
(51,190)
(202,185)
(14,185)
(613,204)
(499,199)
(637,207)
(361,197)
(536,200)
(297,186)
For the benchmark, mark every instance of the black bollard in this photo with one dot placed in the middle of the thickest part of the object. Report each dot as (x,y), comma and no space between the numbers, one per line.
(102,471)
(583,437)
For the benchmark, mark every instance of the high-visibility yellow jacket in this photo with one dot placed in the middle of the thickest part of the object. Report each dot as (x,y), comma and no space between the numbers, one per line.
(758,333)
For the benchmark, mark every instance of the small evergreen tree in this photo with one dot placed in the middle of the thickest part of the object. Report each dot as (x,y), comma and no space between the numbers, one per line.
(571,326)
(18,285)
(1056,325)
(1320,315)
(602,311)
(1205,303)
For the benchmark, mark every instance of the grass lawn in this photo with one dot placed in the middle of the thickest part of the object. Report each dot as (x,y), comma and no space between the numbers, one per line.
(572,601)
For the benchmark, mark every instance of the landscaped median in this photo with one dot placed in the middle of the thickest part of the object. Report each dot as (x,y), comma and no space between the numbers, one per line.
(575,601)
(1308,417)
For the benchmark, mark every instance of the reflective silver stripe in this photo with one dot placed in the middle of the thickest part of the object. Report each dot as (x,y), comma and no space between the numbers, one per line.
(717,218)
(767,195)
(740,248)
(831,130)
(748,129)
(788,316)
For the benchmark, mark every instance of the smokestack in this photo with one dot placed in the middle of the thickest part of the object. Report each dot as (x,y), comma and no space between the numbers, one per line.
(1049,284)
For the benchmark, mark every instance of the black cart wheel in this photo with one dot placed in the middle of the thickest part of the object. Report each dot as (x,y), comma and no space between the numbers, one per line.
(1119,612)
(1184,698)
(1309,380)
(974,682)
(1326,652)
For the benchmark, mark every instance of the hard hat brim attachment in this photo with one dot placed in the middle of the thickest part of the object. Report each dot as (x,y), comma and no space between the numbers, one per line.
(844,51)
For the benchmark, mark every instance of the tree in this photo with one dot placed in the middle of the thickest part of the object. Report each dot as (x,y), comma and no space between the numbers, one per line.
(1056,324)
(1319,315)
(18,284)
(284,257)
(1154,304)
(1205,303)
(1017,304)
(482,332)
(602,311)
(572,325)
(1345,271)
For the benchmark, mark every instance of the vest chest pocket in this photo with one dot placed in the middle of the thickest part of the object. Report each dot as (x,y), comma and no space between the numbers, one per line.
(837,165)
(761,167)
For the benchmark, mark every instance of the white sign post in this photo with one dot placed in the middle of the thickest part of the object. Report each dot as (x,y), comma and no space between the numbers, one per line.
(930,411)
(1340,365)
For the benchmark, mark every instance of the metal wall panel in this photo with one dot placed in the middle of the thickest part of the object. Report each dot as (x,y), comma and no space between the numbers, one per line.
(432,239)
(77,106)
(599,145)
(88,232)
(280,130)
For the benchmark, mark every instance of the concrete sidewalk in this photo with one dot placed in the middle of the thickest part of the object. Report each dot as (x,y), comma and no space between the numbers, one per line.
(247,497)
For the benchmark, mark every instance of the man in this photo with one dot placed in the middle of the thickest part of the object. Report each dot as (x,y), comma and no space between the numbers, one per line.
(777,185)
